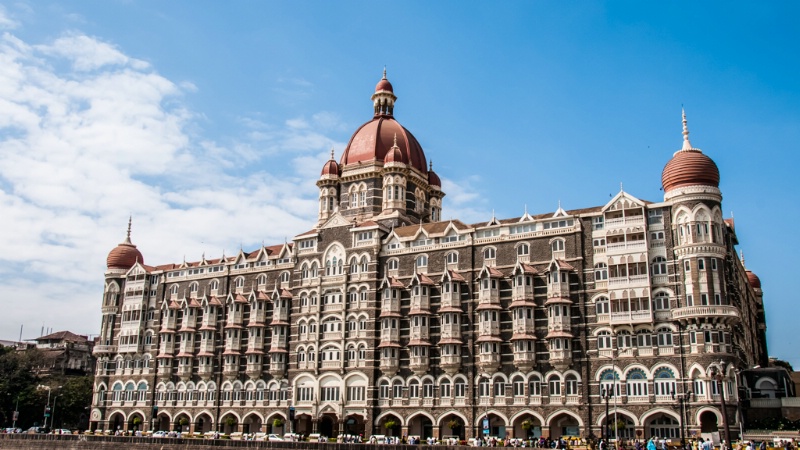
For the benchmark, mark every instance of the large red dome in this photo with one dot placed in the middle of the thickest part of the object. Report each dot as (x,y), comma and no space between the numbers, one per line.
(124,256)
(689,168)
(373,140)
(753,279)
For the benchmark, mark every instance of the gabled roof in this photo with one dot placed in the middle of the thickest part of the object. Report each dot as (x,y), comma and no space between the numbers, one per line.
(391,282)
(562,265)
(622,199)
(67,336)
(422,279)
(432,229)
(491,271)
(521,267)
(453,276)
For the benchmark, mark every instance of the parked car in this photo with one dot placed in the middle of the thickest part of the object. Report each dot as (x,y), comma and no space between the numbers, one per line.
(274,438)
(159,434)
(62,431)
(292,437)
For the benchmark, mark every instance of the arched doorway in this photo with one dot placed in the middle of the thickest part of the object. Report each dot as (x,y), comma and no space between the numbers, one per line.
(708,422)
(564,425)
(420,425)
(451,425)
(135,422)
(390,426)
(182,422)
(162,423)
(116,422)
(327,426)
(252,424)
(663,426)
(620,426)
(203,423)
(303,424)
(229,424)
(354,425)
(527,427)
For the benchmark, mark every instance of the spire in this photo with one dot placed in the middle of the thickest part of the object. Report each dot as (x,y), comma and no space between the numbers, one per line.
(686,144)
(128,236)
(430,165)
(332,159)
(395,141)
(741,253)
(384,73)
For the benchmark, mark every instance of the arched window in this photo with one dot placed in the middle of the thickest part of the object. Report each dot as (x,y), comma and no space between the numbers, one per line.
(604,340)
(601,305)
(661,301)
(600,272)
(174,289)
(659,265)
(571,384)
(557,245)
(636,383)
(663,382)
(609,383)
(392,264)
(523,249)
(644,338)
(535,386)
(554,384)
(285,277)
(422,261)
(193,287)
(489,253)
(240,282)
(452,258)
(214,285)
(664,337)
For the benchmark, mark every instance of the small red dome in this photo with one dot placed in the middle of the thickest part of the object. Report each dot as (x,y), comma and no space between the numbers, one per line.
(394,155)
(331,167)
(124,256)
(689,168)
(433,179)
(753,279)
(384,85)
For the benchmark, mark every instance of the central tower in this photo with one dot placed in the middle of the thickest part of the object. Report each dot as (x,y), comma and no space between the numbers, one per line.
(383,174)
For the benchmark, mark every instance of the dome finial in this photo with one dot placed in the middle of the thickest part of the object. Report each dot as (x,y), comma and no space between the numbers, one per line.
(741,252)
(384,72)
(332,153)
(395,141)
(430,165)
(128,236)
(686,144)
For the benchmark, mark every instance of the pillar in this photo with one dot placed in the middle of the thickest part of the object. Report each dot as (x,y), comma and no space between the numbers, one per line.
(404,431)
(436,432)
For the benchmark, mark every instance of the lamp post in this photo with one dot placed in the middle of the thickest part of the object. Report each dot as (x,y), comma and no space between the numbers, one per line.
(47,407)
(486,405)
(718,377)
(605,393)
(53,412)
(16,414)
(682,399)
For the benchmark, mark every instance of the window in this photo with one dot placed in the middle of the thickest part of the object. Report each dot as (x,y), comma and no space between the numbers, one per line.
(661,301)
(535,386)
(701,264)
(601,242)
(523,249)
(659,265)
(384,390)
(601,305)
(558,224)
(571,385)
(687,265)
(657,236)
(637,383)
(557,245)
(460,388)
(364,236)
(663,381)
(444,389)
(644,338)
(664,337)
(604,340)
(609,383)
(239,282)
(330,394)
(598,223)
(452,258)
(554,383)
(600,272)
(393,264)
(489,253)
(422,261)
(713,263)
(717,299)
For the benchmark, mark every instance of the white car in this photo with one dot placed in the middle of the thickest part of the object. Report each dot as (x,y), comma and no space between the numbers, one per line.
(274,438)
(159,434)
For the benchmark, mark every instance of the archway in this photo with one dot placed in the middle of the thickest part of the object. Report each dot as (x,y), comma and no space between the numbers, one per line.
(182,422)
(420,425)
(527,426)
(303,424)
(252,424)
(327,425)
(116,422)
(229,424)
(354,425)
(564,425)
(708,422)
(618,426)
(663,426)
(136,422)
(203,423)
(390,426)
(450,426)
(162,423)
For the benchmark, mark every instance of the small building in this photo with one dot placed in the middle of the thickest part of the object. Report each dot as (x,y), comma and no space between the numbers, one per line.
(66,353)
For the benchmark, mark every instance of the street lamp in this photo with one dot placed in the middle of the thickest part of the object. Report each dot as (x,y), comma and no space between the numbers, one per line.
(605,393)
(53,412)
(682,399)
(718,376)
(47,407)
(485,421)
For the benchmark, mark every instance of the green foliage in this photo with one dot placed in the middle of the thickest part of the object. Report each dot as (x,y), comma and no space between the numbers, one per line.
(19,379)
(183,421)
(390,423)
(277,423)
(230,421)
(527,424)
(453,424)
(774,423)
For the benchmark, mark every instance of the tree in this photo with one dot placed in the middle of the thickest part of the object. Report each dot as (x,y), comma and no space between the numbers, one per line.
(277,423)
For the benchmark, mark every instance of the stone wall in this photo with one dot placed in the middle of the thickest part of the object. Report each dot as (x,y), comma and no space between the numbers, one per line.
(74,442)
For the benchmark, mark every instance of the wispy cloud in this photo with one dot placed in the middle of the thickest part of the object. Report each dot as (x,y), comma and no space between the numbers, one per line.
(89,135)
(6,22)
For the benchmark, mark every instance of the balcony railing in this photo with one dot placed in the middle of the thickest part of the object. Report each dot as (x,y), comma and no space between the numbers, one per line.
(626,317)
(696,312)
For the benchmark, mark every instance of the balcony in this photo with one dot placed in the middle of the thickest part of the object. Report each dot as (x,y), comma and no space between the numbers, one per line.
(618,248)
(629,281)
(328,307)
(489,296)
(205,371)
(489,362)
(717,313)
(524,360)
(622,222)
(420,302)
(230,371)
(559,324)
(419,333)
(253,370)
(522,293)
(390,365)
(390,306)
(419,364)
(450,331)
(390,335)
(102,349)
(559,289)
(450,363)
(628,317)
(451,300)
(489,328)
(281,315)
(185,371)
(206,346)
(277,368)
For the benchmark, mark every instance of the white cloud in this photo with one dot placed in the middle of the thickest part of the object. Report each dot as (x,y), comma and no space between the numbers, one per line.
(89,135)
(6,22)
(463,200)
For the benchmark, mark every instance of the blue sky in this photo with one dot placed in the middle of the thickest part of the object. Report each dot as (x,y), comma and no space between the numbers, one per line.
(209,122)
